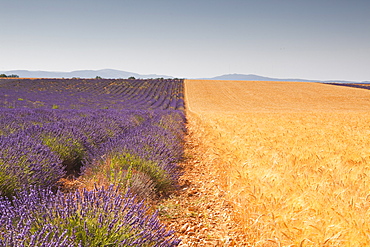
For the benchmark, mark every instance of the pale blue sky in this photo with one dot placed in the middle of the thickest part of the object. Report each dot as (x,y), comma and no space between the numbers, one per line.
(317,39)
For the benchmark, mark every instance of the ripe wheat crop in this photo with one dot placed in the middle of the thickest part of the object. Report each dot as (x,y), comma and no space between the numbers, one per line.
(295,169)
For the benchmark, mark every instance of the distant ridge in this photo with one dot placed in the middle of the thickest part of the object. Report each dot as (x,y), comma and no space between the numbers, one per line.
(104,73)
(114,74)
(251,77)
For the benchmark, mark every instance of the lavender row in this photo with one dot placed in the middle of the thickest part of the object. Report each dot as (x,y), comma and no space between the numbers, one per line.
(92,93)
(150,150)
(41,146)
(36,151)
(102,217)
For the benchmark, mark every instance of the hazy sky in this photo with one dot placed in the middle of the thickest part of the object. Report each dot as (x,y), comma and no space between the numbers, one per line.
(312,39)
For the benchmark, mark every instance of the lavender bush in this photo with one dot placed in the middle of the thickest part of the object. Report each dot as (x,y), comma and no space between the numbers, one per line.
(24,162)
(154,148)
(102,217)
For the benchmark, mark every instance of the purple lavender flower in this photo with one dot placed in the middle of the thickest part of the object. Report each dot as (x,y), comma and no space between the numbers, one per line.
(100,217)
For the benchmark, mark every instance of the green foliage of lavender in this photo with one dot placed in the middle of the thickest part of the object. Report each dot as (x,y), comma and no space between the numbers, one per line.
(102,217)
(122,168)
(25,162)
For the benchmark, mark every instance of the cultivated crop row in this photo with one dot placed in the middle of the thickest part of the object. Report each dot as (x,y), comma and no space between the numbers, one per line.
(118,140)
(92,93)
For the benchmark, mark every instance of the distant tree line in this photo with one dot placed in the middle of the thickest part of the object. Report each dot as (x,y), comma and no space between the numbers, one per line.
(8,76)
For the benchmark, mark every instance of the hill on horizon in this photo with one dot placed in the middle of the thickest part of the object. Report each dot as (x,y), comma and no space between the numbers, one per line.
(252,77)
(117,74)
(104,73)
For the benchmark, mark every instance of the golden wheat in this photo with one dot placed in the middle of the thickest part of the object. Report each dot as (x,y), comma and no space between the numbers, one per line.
(296,169)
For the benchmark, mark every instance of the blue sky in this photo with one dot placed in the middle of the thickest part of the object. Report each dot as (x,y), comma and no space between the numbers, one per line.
(317,39)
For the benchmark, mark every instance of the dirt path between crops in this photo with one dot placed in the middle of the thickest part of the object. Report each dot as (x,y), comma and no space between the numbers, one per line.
(203,213)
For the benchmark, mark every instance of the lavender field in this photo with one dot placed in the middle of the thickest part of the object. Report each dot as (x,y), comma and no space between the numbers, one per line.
(119,140)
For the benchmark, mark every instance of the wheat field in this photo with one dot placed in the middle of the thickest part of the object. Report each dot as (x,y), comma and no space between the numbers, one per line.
(293,158)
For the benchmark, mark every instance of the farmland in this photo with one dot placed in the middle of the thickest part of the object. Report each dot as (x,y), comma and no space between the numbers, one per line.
(80,159)
(292,158)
